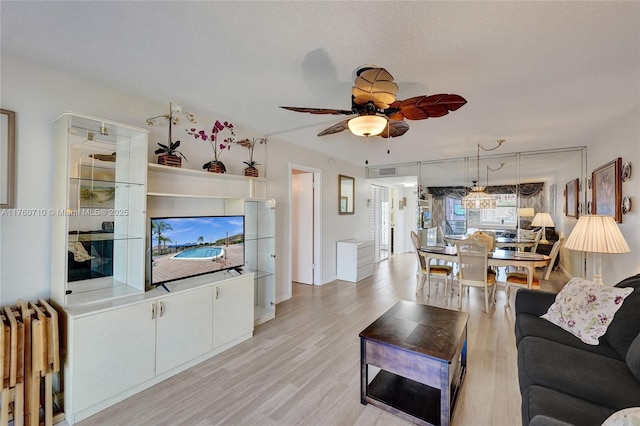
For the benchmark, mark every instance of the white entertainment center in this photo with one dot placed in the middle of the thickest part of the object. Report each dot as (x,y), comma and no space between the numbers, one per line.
(120,336)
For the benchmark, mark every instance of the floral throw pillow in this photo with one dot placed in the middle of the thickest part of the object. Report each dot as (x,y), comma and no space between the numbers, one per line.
(585,309)
(627,417)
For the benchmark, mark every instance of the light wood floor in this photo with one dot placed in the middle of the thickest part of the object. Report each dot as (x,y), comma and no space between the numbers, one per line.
(303,366)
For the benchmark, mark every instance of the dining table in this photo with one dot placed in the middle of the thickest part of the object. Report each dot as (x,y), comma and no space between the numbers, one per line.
(501,242)
(498,257)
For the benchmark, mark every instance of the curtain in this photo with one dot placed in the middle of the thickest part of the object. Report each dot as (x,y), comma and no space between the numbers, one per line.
(526,190)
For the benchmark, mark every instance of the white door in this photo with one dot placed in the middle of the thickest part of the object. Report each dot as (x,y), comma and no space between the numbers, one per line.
(302,228)
(380,226)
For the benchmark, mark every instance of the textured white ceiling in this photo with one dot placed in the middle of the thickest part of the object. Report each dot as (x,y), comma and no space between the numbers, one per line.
(539,74)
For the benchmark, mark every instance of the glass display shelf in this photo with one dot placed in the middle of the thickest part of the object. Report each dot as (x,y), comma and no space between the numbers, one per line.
(99,201)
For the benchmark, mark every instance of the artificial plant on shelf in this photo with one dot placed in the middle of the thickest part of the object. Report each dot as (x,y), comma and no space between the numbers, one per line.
(219,147)
(168,154)
(250,144)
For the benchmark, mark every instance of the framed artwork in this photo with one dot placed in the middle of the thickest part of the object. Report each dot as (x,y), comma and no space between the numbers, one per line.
(346,194)
(571,198)
(606,187)
(553,189)
(7,155)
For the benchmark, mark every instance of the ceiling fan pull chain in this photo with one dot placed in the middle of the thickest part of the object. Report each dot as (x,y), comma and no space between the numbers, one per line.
(366,148)
(388,138)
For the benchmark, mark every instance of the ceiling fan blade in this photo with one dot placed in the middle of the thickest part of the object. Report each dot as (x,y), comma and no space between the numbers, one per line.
(394,128)
(423,107)
(320,110)
(374,85)
(336,128)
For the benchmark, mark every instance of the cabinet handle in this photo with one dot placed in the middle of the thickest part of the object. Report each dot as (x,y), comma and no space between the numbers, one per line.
(153,311)
(161,308)
(273,255)
(217,292)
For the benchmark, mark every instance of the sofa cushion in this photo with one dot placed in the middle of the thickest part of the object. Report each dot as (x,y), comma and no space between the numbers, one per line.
(534,302)
(586,309)
(539,402)
(633,357)
(532,325)
(626,323)
(585,375)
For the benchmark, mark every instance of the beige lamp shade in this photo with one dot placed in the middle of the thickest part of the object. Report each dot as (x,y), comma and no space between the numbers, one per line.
(526,212)
(367,125)
(597,234)
(543,220)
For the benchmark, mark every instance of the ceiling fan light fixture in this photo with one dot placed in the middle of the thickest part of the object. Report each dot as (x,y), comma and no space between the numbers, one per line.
(367,125)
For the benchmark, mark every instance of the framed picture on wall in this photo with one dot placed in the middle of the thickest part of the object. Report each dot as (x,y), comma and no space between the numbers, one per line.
(571,198)
(553,189)
(7,153)
(606,189)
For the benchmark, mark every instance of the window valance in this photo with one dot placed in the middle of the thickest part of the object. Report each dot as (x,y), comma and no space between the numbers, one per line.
(526,190)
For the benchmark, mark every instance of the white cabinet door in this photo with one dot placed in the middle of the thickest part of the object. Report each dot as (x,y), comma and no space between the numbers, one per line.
(110,352)
(232,310)
(185,327)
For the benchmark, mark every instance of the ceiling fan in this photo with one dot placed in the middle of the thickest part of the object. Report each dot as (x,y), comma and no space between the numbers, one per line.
(378,112)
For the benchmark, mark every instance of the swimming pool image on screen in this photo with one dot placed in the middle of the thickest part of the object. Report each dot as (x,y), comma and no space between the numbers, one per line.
(201,253)
(183,247)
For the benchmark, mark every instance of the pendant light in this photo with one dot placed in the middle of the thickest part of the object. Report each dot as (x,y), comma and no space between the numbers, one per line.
(477,198)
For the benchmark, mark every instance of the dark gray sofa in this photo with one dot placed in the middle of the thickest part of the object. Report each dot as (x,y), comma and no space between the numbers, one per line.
(565,381)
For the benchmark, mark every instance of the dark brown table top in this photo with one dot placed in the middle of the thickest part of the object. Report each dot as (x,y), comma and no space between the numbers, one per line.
(427,330)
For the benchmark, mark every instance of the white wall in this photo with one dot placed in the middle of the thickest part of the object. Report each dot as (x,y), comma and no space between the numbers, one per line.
(620,139)
(39,94)
(334,227)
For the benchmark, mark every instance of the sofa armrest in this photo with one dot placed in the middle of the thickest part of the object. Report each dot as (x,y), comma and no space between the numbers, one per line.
(534,302)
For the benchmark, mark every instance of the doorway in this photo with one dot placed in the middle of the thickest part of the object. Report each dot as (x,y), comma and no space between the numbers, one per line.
(380,225)
(304,228)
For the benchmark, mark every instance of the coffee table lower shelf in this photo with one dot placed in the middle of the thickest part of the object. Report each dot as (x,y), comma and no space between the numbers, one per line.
(401,396)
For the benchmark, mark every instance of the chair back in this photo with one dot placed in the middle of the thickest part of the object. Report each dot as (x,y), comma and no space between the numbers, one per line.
(432,236)
(486,239)
(442,234)
(472,262)
(555,250)
(536,240)
(415,240)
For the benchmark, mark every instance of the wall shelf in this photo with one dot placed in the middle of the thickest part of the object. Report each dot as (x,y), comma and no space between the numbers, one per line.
(165,181)
(202,173)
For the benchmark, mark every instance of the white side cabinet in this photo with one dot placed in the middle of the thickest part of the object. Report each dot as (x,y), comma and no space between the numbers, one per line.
(117,349)
(354,259)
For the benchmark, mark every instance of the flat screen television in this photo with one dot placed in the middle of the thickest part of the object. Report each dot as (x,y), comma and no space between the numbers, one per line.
(183,247)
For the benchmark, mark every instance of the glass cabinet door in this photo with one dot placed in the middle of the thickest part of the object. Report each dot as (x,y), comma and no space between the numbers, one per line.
(100,201)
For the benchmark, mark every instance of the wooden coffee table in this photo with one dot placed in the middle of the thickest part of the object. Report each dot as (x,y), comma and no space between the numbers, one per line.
(422,355)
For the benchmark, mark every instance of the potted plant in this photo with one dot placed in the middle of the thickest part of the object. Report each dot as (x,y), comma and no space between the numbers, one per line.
(215,165)
(168,154)
(250,144)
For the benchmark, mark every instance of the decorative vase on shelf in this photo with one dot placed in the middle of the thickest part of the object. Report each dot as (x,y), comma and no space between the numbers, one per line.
(216,167)
(251,171)
(170,160)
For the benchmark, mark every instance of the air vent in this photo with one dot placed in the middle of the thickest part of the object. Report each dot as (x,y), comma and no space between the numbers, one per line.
(388,171)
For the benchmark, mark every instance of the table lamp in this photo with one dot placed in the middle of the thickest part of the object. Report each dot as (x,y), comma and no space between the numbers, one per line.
(543,220)
(597,234)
